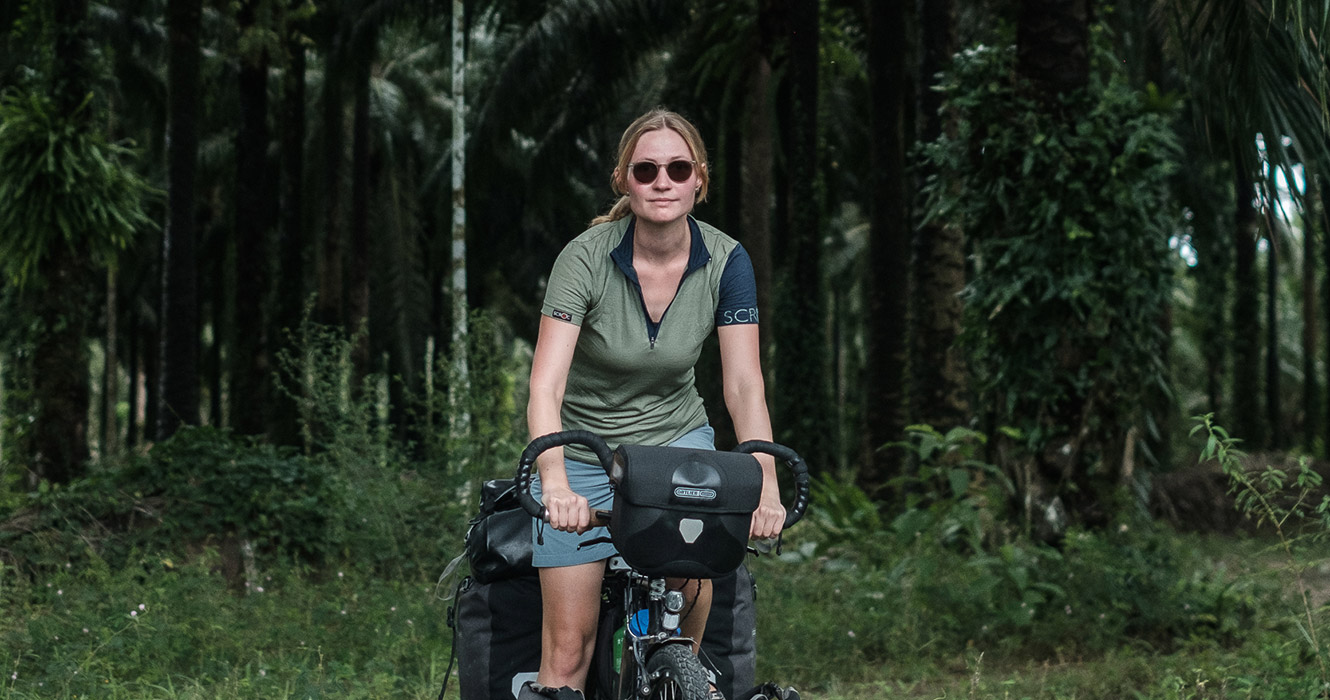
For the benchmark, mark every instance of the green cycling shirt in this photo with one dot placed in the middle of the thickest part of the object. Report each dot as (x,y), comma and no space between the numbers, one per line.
(631,380)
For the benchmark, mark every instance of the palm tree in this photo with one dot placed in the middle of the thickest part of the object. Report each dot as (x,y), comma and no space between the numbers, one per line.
(255,214)
(889,247)
(179,397)
(70,204)
(938,383)
(1252,68)
(801,398)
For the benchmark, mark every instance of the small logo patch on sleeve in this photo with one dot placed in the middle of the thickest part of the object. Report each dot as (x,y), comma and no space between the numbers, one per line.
(561,315)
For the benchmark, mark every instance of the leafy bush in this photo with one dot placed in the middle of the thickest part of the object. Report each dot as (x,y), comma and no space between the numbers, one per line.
(212,484)
(944,575)
(201,487)
(1067,211)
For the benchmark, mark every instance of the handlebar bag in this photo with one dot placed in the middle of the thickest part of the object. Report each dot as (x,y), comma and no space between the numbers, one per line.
(683,512)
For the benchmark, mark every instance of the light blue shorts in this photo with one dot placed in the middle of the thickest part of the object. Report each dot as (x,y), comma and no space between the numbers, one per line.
(561,548)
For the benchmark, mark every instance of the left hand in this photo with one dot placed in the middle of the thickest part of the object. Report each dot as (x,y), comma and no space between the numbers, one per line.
(769,518)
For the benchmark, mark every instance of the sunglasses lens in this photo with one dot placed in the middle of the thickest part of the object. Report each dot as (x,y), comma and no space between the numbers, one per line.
(679,170)
(645,172)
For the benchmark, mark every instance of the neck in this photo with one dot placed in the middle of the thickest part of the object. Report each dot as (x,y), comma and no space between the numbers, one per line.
(657,241)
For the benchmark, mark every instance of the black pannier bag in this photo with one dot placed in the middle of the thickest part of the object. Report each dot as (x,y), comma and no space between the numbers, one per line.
(682,512)
(498,541)
(497,642)
(497,636)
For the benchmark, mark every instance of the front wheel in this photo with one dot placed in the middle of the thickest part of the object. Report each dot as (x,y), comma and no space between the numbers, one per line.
(676,674)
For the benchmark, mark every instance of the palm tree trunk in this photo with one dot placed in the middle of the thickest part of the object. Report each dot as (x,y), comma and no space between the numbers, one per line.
(111,370)
(290,301)
(358,264)
(801,397)
(1053,45)
(250,365)
(889,243)
(1273,410)
(937,369)
(179,398)
(755,170)
(59,367)
(1246,418)
(1311,384)
(328,305)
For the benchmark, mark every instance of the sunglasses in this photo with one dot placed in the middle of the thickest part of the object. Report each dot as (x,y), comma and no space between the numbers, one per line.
(645,171)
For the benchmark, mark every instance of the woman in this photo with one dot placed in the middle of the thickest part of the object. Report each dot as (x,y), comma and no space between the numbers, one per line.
(629,303)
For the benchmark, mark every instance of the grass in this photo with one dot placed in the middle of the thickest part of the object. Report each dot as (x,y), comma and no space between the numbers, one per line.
(160,628)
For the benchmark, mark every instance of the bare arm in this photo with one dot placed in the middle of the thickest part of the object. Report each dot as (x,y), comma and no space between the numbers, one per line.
(746,399)
(549,377)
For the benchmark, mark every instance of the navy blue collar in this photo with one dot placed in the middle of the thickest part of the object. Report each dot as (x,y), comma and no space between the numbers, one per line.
(698,255)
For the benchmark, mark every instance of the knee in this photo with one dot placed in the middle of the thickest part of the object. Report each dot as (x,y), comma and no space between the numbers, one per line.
(567,652)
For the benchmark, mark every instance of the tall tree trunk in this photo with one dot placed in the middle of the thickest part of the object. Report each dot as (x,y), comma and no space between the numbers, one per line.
(357,323)
(1325,298)
(1273,410)
(459,384)
(250,365)
(328,305)
(179,399)
(1052,50)
(802,400)
(111,370)
(290,299)
(938,381)
(755,170)
(1246,419)
(1311,383)
(889,242)
(59,367)
(1053,45)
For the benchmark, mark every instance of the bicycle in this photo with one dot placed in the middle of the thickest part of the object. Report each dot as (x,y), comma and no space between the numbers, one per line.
(663,528)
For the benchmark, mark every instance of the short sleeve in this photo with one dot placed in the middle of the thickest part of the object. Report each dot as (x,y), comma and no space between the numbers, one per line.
(738,290)
(567,294)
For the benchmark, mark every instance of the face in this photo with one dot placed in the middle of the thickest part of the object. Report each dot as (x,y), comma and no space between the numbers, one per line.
(662,200)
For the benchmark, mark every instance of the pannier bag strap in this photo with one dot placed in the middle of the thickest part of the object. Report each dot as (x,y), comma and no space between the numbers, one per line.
(585,438)
(797,466)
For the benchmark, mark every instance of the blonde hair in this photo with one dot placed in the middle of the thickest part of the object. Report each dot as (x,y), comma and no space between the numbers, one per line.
(653,120)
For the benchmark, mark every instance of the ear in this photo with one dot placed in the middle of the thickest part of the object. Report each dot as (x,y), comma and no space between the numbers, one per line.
(617,183)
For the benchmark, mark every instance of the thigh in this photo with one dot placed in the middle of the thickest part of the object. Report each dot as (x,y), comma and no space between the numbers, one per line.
(553,548)
(571,598)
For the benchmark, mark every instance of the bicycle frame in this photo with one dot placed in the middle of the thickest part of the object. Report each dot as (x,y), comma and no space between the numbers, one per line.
(664,607)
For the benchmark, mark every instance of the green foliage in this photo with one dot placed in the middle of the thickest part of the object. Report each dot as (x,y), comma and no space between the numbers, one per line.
(1288,504)
(62,182)
(952,494)
(212,484)
(201,487)
(1069,217)
(169,629)
(943,574)
(406,503)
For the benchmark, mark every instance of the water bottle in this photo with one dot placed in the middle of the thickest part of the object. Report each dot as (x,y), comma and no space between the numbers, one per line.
(637,626)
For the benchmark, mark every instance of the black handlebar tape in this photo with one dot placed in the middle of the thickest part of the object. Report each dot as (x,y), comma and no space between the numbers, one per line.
(802,490)
(585,438)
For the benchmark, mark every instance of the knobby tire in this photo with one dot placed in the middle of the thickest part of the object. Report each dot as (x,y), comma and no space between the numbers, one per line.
(681,674)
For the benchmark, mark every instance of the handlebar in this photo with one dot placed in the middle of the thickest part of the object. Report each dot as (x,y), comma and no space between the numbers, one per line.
(585,438)
(603,453)
(802,491)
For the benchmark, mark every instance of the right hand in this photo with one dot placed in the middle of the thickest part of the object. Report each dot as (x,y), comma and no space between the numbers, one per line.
(568,511)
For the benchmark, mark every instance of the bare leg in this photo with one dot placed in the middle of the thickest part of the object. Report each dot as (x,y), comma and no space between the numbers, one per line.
(571,599)
(696,606)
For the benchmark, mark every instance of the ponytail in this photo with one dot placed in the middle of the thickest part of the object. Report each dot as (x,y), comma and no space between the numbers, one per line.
(620,209)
